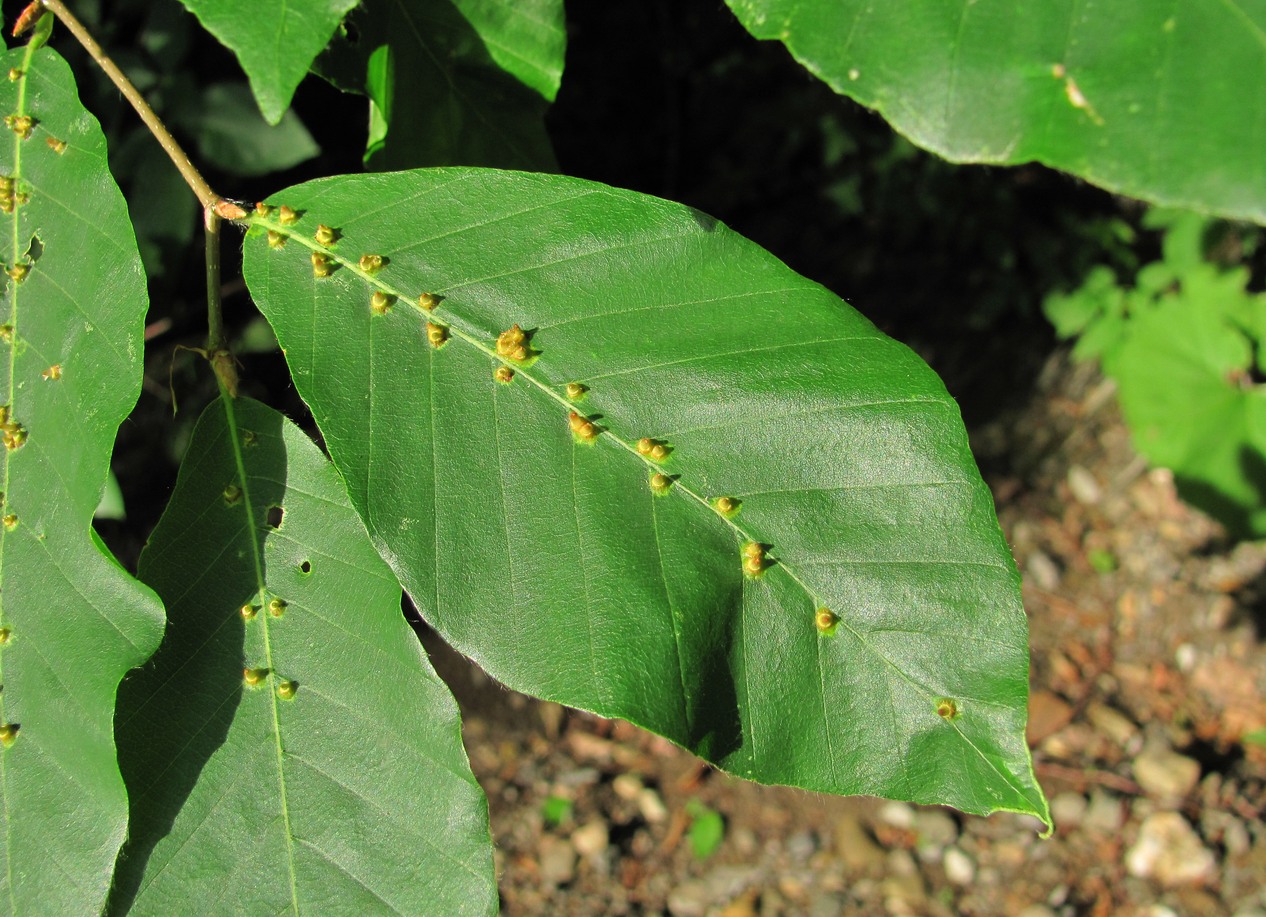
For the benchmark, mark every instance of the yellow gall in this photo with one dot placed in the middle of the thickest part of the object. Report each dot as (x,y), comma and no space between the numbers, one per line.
(659,452)
(436,335)
(249,438)
(57,146)
(8,734)
(14,74)
(753,549)
(946,708)
(254,676)
(286,690)
(277,607)
(20,125)
(322,266)
(276,239)
(428,301)
(287,216)
(232,495)
(6,333)
(381,302)
(587,432)
(645,445)
(6,184)
(7,203)
(726,506)
(263,209)
(52,374)
(5,634)
(248,611)
(660,484)
(519,354)
(326,235)
(826,621)
(576,391)
(574,420)
(14,436)
(503,374)
(19,271)
(10,522)
(371,264)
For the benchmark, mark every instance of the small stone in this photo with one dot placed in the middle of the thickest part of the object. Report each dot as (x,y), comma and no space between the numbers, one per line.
(590,839)
(1084,487)
(800,846)
(1186,657)
(959,869)
(935,830)
(1165,774)
(689,899)
(651,806)
(1103,815)
(857,849)
(627,786)
(1068,809)
(1169,851)
(897,814)
(1036,910)
(557,860)
(1042,571)
(1112,723)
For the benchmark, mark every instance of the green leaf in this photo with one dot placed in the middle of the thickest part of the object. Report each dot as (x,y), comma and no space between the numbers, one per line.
(337,781)
(232,135)
(1136,96)
(553,563)
(707,829)
(73,621)
(452,82)
(274,40)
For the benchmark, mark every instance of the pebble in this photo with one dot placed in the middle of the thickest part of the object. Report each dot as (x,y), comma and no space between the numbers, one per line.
(800,846)
(1112,723)
(959,869)
(858,851)
(1165,774)
(1083,485)
(1169,851)
(1068,809)
(689,899)
(651,806)
(1186,657)
(1103,815)
(590,839)
(1036,910)
(627,786)
(557,861)
(897,814)
(1042,571)
(935,830)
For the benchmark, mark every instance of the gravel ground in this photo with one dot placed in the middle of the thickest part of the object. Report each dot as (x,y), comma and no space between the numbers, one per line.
(1148,668)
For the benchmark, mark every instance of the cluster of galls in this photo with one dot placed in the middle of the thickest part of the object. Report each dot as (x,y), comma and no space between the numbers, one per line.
(22,125)
(513,344)
(586,430)
(10,196)
(14,433)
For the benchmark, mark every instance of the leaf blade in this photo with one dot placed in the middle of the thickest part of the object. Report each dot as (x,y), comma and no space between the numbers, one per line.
(74,621)
(553,563)
(1134,97)
(354,790)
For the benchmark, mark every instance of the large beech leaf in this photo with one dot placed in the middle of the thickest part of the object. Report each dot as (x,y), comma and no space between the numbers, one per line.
(553,563)
(1140,97)
(288,748)
(275,41)
(71,326)
(453,82)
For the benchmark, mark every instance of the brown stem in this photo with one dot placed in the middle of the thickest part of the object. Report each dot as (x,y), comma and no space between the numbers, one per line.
(193,178)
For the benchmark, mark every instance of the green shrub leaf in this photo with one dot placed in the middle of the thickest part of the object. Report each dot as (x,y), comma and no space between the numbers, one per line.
(1135,96)
(274,40)
(73,622)
(453,82)
(596,565)
(289,745)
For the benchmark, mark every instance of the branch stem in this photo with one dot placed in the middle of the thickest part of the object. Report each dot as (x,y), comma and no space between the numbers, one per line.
(206,197)
(215,317)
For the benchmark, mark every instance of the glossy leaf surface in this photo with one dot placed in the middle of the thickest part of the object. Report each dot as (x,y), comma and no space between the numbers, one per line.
(73,622)
(1139,97)
(453,82)
(300,756)
(549,552)
(274,40)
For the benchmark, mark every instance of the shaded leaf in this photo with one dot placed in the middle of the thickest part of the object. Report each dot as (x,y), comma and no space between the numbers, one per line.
(554,563)
(274,40)
(452,82)
(1138,97)
(73,621)
(231,133)
(301,756)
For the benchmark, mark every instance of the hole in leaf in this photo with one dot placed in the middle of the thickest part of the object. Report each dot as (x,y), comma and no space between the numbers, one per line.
(35,249)
(274,517)
(305,567)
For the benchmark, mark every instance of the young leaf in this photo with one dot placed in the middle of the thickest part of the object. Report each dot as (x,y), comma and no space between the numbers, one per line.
(632,463)
(274,40)
(72,622)
(289,745)
(1133,96)
(461,82)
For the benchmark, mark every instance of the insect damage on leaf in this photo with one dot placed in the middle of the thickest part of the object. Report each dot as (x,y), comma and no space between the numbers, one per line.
(277,607)
(253,677)
(727,506)
(286,689)
(947,708)
(10,522)
(248,611)
(576,391)
(232,494)
(380,302)
(57,146)
(428,301)
(287,216)
(585,430)
(372,264)
(436,335)
(326,235)
(503,374)
(755,559)
(22,125)
(661,483)
(654,449)
(827,621)
(9,734)
(322,265)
